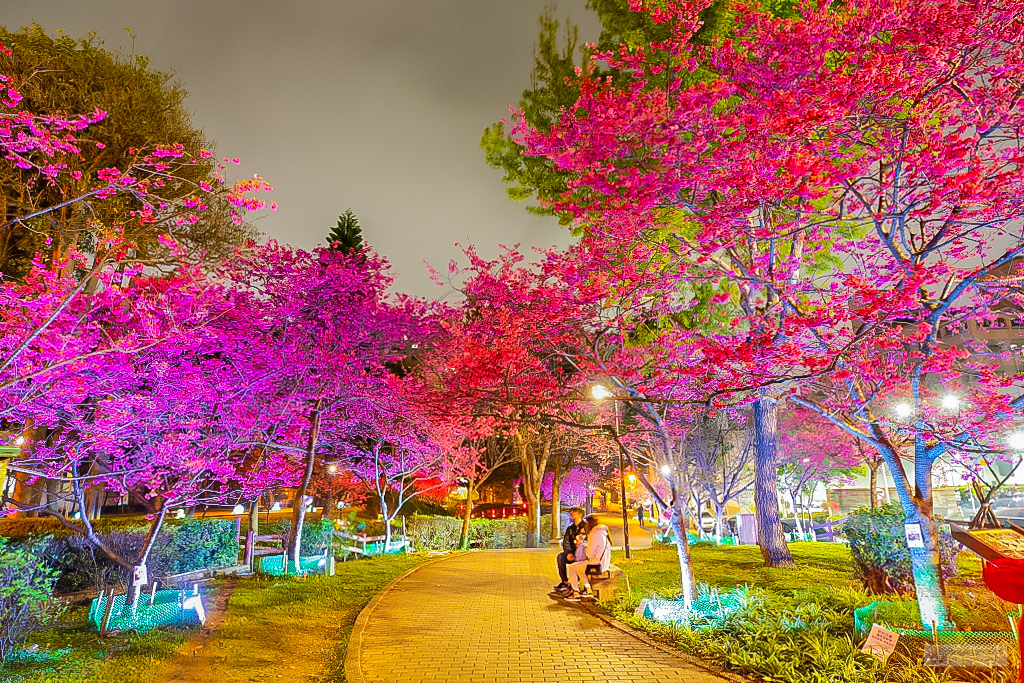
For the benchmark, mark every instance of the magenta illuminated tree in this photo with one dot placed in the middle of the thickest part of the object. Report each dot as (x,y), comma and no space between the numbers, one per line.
(860,195)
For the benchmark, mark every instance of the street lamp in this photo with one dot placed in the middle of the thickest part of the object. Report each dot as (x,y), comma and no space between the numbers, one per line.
(666,470)
(951,402)
(903,409)
(600,393)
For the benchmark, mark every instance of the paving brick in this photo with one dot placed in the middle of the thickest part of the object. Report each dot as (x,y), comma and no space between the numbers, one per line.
(486,617)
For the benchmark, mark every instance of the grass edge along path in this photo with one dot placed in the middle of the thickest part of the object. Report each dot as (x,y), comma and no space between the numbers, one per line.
(798,624)
(267,621)
(288,628)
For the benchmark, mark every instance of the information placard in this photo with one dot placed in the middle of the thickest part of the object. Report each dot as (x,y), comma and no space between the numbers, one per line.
(881,642)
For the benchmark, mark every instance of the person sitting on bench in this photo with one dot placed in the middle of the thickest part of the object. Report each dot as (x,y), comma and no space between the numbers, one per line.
(570,541)
(595,560)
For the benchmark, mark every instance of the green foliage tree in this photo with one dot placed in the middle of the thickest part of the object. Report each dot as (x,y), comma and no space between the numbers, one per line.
(26,592)
(346,236)
(552,89)
(144,108)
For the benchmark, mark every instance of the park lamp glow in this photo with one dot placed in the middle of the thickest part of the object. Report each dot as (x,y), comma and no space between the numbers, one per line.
(600,392)
(666,470)
(332,469)
(239,509)
(1016,441)
(903,409)
(951,402)
(632,478)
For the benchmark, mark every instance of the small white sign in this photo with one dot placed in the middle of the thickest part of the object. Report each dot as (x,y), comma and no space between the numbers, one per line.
(140,575)
(641,609)
(915,539)
(881,642)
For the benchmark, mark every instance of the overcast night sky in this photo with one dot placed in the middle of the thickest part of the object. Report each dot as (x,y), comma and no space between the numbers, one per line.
(374,105)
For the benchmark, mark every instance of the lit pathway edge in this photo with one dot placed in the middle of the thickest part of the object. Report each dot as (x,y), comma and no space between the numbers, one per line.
(353,671)
(486,617)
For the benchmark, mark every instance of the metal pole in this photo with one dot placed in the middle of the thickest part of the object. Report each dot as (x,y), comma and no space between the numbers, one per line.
(622,486)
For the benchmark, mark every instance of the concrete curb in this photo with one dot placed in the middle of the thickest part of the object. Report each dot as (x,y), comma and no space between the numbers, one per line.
(600,613)
(353,671)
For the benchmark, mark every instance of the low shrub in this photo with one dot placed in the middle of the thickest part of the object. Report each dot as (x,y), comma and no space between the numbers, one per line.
(200,544)
(26,591)
(181,546)
(878,545)
(442,533)
(317,534)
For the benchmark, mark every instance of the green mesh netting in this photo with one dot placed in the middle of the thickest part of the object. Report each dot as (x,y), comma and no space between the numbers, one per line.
(708,608)
(958,650)
(169,608)
(274,565)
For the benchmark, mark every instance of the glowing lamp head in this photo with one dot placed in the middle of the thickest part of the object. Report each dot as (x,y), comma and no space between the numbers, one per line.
(600,392)
(951,402)
(20,441)
(180,514)
(1016,441)
(276,507)
(333,469)
(632,478)
(903,409)
(666,470)
(238,509)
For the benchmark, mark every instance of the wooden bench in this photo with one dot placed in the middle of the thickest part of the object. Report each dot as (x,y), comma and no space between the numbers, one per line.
(604,584)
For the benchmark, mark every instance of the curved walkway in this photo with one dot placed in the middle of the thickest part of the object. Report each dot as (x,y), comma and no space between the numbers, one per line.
(486,617)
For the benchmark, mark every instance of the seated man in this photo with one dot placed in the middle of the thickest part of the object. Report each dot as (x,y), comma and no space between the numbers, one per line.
(598,556)
(569,546)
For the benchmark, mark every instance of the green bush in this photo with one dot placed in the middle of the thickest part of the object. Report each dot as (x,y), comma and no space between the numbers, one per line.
(317,534)
(878,545)
(26,592)
(442,533)
(181,546)
(200,544)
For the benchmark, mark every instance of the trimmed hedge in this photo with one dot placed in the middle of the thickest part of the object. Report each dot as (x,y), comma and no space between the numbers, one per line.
(181,546)
(442,533)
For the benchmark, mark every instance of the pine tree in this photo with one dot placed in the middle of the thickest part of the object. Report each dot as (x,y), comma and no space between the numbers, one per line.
(346,236)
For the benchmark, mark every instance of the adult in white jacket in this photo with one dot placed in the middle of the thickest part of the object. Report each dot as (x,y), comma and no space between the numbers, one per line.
(598,554)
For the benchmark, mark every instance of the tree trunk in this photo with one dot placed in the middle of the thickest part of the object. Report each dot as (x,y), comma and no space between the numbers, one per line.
(770,534)
(254,517)
(719,522)
(299,510)
(134,587)
(464,534)
(556,495)
(873,482)
(387,523)
(796,512)
(680,527)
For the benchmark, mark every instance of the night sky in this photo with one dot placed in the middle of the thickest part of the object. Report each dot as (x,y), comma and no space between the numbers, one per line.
(377,105)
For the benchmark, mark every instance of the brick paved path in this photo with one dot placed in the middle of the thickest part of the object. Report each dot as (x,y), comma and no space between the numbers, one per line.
(486,617)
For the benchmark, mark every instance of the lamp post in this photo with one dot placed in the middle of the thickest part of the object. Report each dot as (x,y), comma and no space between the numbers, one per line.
(600,393)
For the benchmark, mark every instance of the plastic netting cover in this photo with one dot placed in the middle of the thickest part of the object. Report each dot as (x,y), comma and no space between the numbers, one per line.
(274,565)
(169,608)
(707,608)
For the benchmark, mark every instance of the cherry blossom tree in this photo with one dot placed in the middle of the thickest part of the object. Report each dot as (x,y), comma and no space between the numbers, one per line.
(858,197)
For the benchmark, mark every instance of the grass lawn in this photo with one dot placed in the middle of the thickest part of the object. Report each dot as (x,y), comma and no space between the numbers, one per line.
(796,624)
(274,628)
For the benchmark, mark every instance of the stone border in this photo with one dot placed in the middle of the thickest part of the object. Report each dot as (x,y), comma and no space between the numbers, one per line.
(353,671)
(600,613)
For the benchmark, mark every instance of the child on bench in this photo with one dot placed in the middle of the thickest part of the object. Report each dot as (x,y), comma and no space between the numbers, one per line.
(595,559)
